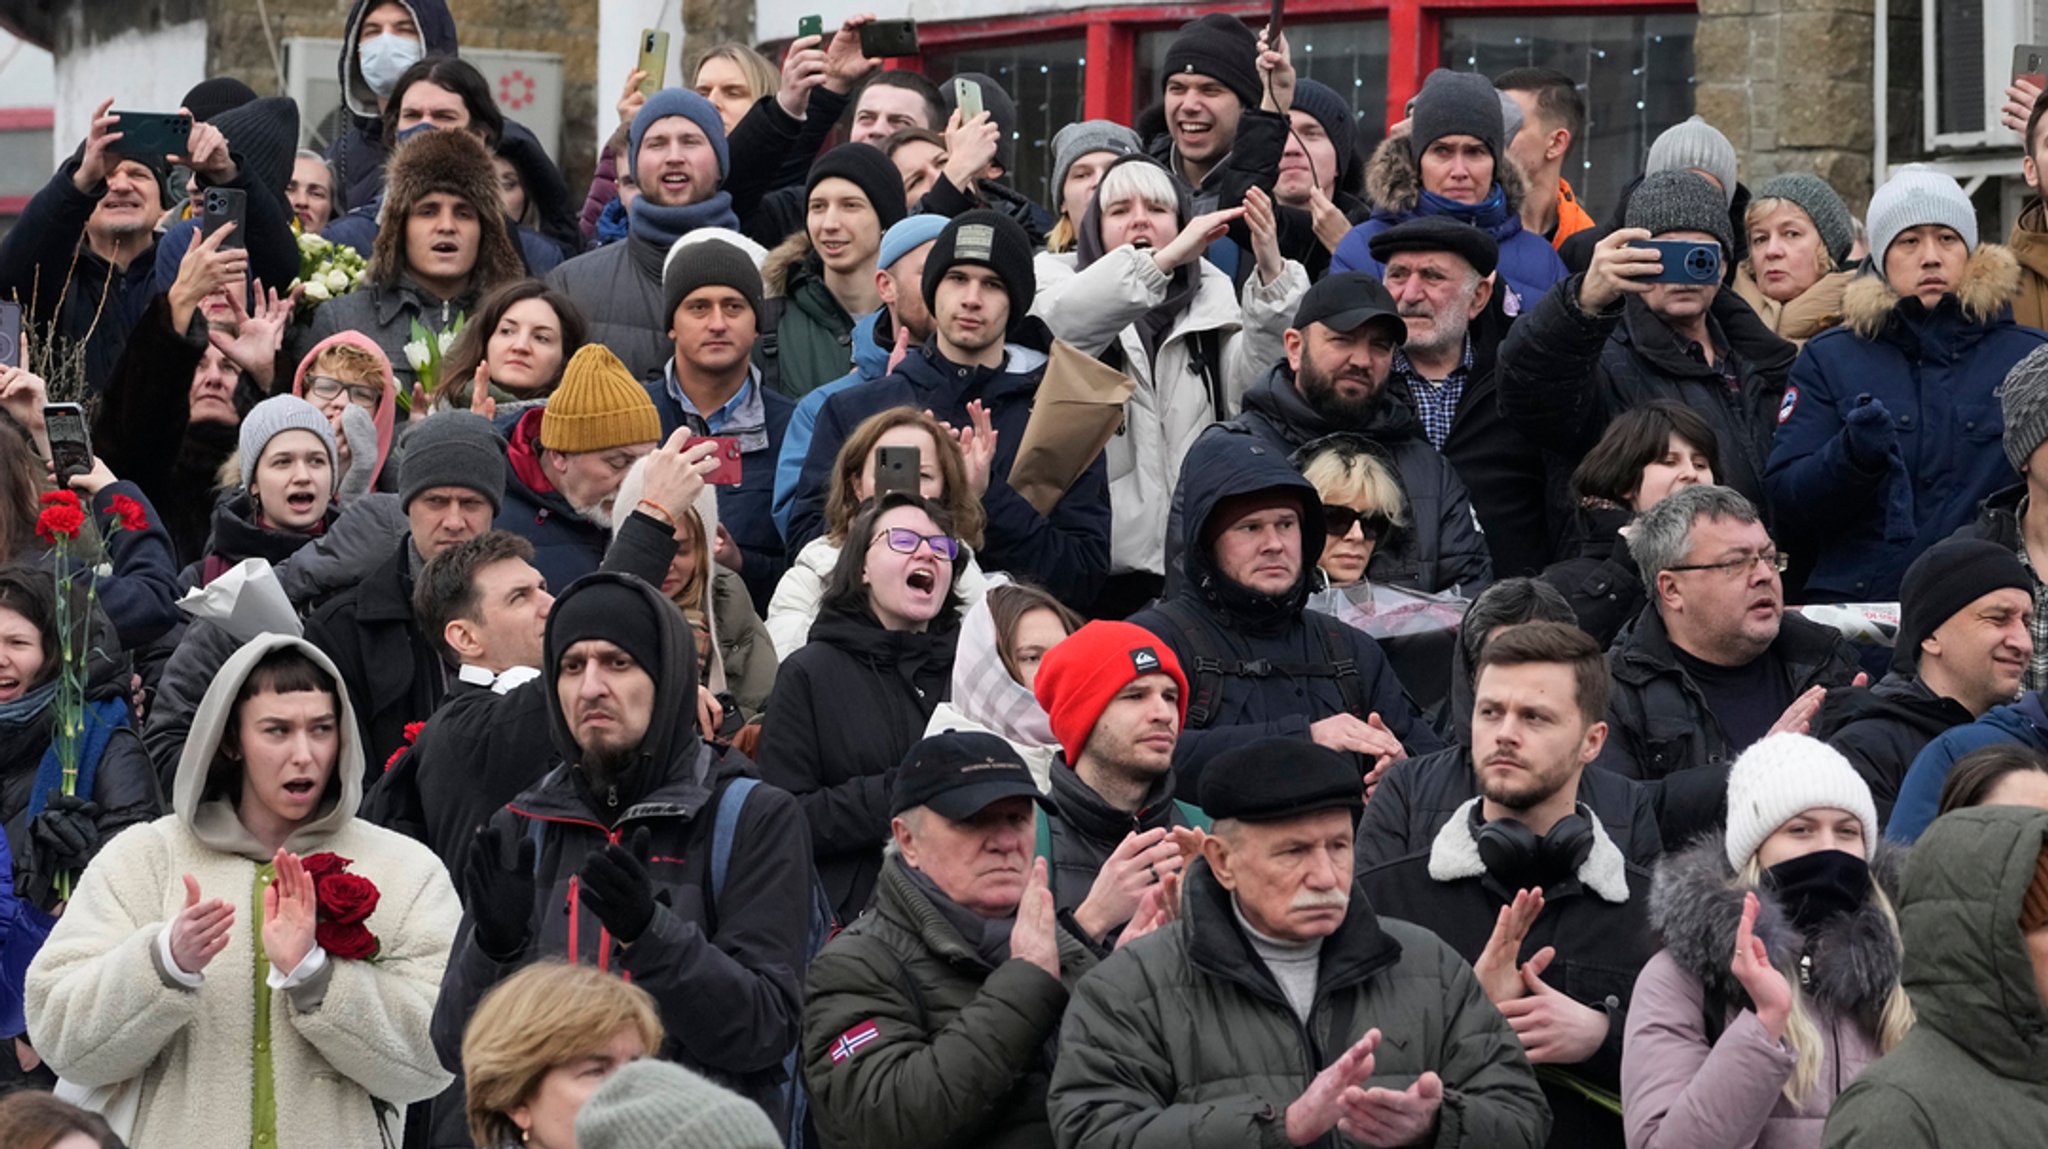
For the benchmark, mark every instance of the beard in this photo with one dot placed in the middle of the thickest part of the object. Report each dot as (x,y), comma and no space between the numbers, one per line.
(605,765)
(598,514)
(1319,391)
(1447,331)
(1539,787)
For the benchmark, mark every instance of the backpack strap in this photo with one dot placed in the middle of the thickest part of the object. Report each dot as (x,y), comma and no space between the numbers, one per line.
(1202,663)
(725,828)
(768,342)
(1342,666)
(1206,357)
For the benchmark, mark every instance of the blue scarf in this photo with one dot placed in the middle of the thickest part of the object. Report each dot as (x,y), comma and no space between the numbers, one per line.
(24,709)
(611,223)
(1490,214)
(665,225)
(101,719)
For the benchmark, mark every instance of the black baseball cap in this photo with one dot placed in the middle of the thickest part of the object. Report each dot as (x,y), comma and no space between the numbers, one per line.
(1348,301)
(958,774)
(1277,778)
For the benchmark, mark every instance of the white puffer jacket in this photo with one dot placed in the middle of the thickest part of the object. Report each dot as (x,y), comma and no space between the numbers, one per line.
(802,589)
(1172,404)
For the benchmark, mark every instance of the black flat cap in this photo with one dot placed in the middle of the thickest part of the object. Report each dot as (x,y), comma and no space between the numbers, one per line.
(1438,233)
(959,774)
(1277,778)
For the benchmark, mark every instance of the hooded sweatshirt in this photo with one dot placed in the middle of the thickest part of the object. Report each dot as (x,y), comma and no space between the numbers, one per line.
(357,154)
(330,1061)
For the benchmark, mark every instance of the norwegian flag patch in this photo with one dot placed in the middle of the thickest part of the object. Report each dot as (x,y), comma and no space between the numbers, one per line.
(853,1041)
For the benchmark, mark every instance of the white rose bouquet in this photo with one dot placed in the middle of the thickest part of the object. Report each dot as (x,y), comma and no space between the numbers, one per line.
(326,270)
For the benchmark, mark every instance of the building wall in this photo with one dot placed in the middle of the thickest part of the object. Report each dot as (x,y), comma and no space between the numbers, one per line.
(1789,82)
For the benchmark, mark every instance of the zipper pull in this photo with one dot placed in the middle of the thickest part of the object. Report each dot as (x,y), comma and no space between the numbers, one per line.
(611,795)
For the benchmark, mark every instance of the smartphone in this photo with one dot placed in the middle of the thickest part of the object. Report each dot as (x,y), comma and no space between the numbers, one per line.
(1684,260)
(879,38)
(967,98)
(2030,63)
(897,469)
(653,61)
(70,445)
(219,206)
(10,333)
(150,136)
(810,26)
(728,472)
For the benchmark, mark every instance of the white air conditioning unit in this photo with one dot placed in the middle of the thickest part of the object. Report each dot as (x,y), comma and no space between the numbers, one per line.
(527,86)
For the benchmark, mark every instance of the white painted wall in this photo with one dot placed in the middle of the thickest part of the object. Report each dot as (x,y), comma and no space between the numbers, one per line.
(619,24)
(143,71)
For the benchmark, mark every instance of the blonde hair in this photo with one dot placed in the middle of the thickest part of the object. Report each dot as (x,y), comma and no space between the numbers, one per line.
(762,75)
(350,364)
(1802,1033)
(1147,181)
(1349,478)
(1758,209)
(1063,237)
(546,1015)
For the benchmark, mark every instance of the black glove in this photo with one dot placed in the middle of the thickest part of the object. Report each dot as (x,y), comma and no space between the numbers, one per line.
(615,885)
(1868,434)
(66,835)
(499,894)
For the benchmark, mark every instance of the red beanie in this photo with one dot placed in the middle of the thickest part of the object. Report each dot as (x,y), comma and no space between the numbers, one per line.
(1084,671)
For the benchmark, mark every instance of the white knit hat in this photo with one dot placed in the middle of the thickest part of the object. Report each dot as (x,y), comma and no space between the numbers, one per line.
(1916,195)
(1782,776)
(1695,145)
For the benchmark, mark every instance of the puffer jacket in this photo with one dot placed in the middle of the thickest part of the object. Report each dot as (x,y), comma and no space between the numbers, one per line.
(794,609)
(1242,627)
(1185,1038)
(1937,372)
(2024,722)
(727,973)
(1974,1069)
(812,343)
(1096,309)
(961,1051)
(346,1050)
(846,709)
(1881,729)
(1602,581)
(1393,182)
(1686,1084)
(1564,375)
(357,154)
(1441,548)
(1806,315)
(2029,244)
(619,288)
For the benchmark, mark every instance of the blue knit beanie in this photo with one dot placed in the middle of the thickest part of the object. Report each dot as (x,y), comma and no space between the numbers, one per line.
(906,236)
(687,104)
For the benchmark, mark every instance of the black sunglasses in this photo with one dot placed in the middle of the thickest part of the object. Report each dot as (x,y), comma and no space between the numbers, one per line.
(1338,521)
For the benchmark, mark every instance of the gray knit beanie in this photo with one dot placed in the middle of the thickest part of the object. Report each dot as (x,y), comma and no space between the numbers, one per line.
(2023,397)
(1457,104)
(1680,201)
(1081,138)
(652,1104)
(453,449)
(709,262)
(1696,144)
(273,417)
(1829,214)
(1917,195)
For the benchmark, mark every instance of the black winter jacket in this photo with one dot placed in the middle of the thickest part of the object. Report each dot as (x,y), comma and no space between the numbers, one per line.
(1602,581)
(124,788)
(1241,627)
(1084,831)
(846,709)
(62,284)
(1881,729)
(1564,375)
(566,546)
(394,675)
(726,973)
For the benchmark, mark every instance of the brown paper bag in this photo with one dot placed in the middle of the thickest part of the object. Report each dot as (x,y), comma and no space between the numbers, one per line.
(1080,405)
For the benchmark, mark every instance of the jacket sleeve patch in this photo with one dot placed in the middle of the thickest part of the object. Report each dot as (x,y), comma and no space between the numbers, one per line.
(853,1041)
(1788,404)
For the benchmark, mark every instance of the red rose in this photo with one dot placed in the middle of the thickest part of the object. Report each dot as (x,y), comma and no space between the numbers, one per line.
(345,898)
(353,941)
(60,498)
(59,520)
(130,512)
(322,864)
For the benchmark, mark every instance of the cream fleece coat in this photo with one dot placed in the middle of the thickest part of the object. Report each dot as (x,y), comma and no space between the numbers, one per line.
(103,1011)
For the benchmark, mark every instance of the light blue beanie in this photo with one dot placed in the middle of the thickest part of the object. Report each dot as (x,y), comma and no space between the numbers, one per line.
(907,235)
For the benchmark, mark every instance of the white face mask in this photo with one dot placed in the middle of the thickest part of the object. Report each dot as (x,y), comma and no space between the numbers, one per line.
(385,58)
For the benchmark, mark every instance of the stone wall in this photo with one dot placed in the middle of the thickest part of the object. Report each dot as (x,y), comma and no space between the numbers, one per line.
(1789,82)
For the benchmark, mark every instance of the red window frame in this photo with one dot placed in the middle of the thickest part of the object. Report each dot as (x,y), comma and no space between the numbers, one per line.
(1414,30)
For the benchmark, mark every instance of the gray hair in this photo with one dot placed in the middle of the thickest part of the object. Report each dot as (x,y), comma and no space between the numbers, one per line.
(310,154)
(1663,534)
(1511,602)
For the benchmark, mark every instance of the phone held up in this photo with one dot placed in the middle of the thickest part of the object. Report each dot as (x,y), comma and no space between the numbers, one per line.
(898,469)
(967,98)
(70,443)
(728,454)
(885,38)
(222,206)
(653,61)
(1685,261)
(152,136)
(810,26)
(10,333)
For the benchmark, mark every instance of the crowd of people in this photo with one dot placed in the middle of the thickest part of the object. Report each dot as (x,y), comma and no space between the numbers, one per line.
(1272,645)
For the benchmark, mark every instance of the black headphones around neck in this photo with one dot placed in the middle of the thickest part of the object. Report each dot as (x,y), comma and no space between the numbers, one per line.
(1517,856)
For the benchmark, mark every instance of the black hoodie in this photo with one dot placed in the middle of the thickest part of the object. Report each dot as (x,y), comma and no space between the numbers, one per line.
(1881,729)
(727,977)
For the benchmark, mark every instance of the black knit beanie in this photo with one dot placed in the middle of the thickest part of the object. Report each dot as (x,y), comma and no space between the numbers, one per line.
(1330,110)
(209,98)
(868,169)
(263,136)
(605,607)
(1942,581)
(1222,48)
(992,240)
(708,263)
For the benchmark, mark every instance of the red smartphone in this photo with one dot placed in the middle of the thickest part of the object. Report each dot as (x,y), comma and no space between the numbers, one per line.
(728,472)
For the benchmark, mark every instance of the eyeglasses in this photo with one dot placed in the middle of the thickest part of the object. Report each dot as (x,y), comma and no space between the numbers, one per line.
(327,387)
(1338,521)
(904,541)
(1775,560)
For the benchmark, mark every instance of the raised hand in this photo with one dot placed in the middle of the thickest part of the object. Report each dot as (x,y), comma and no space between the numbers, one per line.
(615,884)
(200,931)
(289,911)
(1498,966)
(978,446)
(93,163)
(1768,990)
(1277,71)
(1321,1106)
(632,99)
(803,68)
(23,395)
(1617,269)
(2019,104)
(675,475)
(1195,238)
(1555,1028)
(1265,228)
(845,67)
(1330,222)
(1798,717)
(1134,869)
(1390,1117)
(498,893)
(1157,909)
(480,400)
(205,268)
(1035,938)
(259,334)
(971,146)
(206,152)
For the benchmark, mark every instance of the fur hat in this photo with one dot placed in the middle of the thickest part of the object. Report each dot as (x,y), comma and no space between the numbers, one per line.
(455,163)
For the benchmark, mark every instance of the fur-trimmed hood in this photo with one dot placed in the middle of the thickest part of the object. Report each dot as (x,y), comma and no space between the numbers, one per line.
(1696,906)
(454,162)
(1991,281)
(1393,179)
(779,271)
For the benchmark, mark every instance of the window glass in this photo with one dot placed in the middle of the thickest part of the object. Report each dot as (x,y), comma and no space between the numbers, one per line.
(1044,78)
(1350,56)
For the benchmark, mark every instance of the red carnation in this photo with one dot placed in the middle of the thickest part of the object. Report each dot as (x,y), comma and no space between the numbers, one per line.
(352,940)
(59,520)
(60,498)
(323,864)
(130,512)
(412,732)
(345,899)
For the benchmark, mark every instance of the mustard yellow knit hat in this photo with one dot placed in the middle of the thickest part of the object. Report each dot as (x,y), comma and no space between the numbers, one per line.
(598,406)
